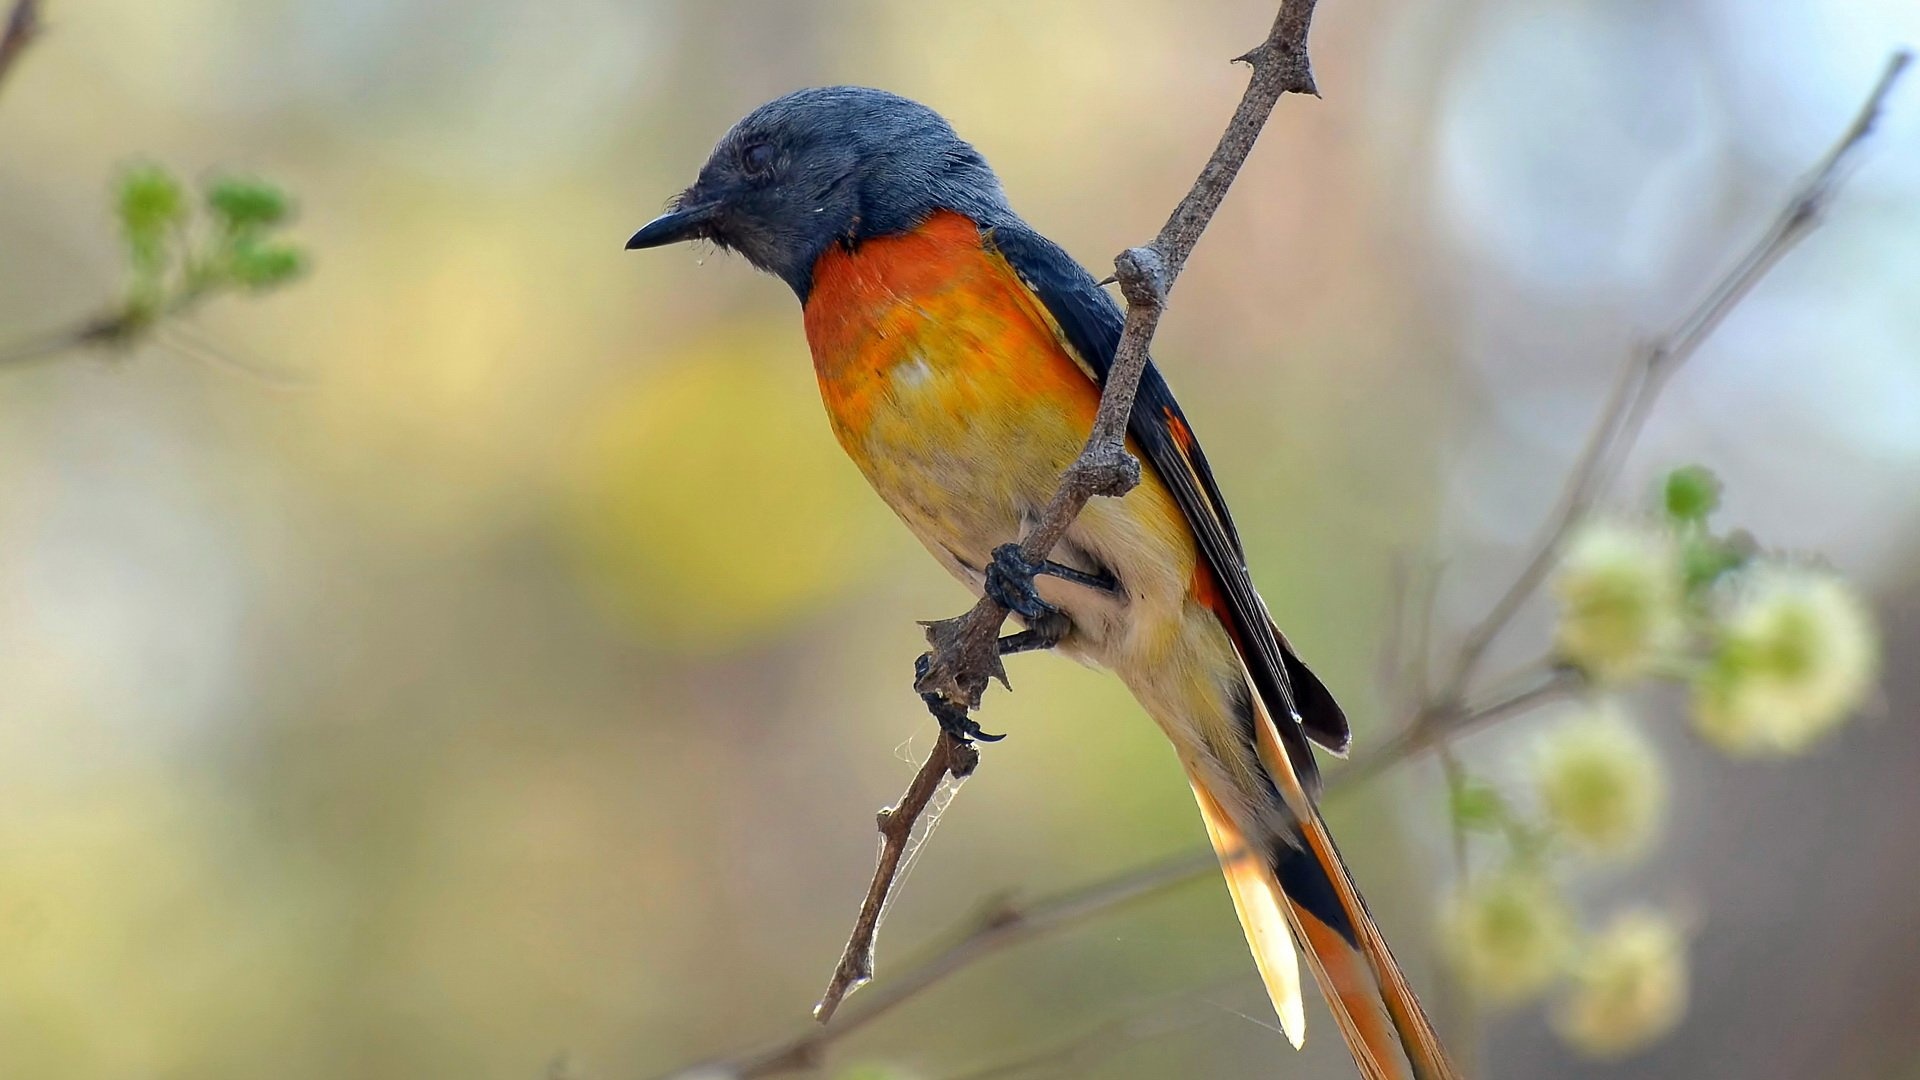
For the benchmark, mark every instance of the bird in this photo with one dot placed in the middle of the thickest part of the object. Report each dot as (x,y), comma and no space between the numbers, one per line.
(961,355)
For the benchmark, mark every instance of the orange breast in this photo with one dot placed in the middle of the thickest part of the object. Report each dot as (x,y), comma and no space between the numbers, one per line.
(934,302)
(949,386)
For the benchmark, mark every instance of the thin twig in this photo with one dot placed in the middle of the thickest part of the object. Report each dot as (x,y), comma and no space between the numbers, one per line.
(950,756)
(963,651)
(1647,372)
(22,27)
(1440,719)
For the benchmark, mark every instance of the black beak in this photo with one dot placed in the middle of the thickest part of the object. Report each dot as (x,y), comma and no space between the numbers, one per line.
(683,223)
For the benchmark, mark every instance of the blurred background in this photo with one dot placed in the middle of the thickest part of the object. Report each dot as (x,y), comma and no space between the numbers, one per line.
(521,686)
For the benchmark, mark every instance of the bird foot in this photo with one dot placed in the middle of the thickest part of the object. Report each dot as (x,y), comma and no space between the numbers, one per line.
(1009,581)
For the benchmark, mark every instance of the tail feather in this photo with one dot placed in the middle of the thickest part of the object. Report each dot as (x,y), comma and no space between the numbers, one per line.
(1333,947)
(1417,1035)
(1349,989)
(1264,914)
(1279,904)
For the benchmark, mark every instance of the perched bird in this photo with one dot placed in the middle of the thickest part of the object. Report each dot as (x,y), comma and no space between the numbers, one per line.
(961,355)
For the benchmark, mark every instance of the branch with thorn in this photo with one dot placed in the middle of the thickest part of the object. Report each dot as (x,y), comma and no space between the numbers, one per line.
(964,652)
(1432,722)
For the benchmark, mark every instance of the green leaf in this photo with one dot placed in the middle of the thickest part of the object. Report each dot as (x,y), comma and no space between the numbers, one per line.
(1691,494)
(1704,559)
(263,266)
(243,203)
(151,205)
(149,198)
(1478,807)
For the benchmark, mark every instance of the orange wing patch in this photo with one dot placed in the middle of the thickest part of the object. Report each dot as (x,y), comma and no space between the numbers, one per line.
(1206,591)
(1182,434)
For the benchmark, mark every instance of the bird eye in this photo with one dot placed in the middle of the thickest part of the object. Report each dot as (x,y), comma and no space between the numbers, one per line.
(757,157)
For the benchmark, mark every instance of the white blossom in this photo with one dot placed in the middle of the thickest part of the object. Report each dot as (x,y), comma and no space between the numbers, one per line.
(1797,652)
(1620,589)
(1601,783)
(1629,986)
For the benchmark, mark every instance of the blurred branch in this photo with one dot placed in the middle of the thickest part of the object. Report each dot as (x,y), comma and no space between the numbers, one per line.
(104,330)
(1441,717)
(1431,725)
(964,651)
(121,328)
(1075,1056)
(1649,370)
(125,331)
(23,26)
(996,926)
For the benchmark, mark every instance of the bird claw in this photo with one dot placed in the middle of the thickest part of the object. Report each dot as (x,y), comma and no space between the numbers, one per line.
(956,721)
(1009,581)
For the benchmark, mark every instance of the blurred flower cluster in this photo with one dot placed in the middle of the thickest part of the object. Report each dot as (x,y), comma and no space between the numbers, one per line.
(1776,651)
(1773,652)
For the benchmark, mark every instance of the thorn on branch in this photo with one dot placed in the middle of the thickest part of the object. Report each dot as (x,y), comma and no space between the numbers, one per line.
(1285,49)
(1142,275)
(1107,470)
(960,660)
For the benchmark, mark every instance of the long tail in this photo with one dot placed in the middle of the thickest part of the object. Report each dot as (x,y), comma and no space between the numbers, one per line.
(1302,883)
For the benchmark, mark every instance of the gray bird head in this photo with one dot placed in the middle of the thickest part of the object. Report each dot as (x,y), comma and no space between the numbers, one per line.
(834,164)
